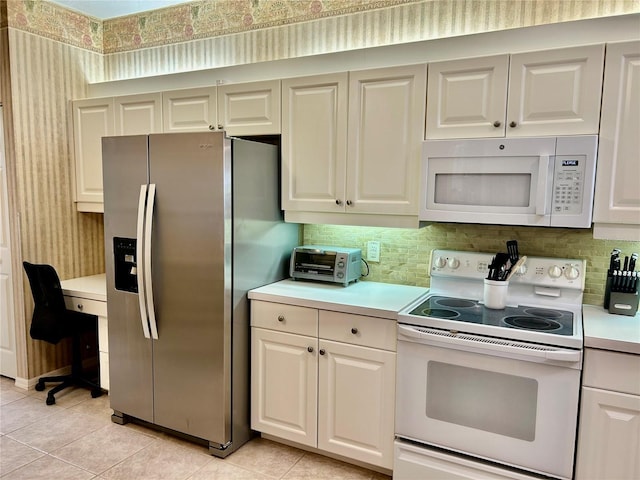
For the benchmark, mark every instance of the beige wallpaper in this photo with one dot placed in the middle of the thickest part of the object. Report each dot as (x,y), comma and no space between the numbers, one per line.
(44,76)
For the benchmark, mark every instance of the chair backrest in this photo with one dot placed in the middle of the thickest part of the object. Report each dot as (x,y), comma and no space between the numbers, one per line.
(49,315)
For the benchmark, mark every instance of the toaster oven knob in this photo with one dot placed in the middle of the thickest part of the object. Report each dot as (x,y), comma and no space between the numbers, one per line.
(572,272)
(453,263)
(339,274)
(555,271)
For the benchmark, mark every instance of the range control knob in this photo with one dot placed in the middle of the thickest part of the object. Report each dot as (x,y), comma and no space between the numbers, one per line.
(555,271)
(440,262)
(453,263)
(572,272)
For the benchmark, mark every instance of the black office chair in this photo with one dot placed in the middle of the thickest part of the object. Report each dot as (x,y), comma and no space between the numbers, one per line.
(52,322)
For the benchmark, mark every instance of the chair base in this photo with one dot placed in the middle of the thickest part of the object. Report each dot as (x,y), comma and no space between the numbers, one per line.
(67,381)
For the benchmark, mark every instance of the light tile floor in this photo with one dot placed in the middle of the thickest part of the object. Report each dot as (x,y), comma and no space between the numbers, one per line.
(75,439)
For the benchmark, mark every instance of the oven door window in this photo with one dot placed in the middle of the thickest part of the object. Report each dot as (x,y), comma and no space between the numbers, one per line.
(483,400)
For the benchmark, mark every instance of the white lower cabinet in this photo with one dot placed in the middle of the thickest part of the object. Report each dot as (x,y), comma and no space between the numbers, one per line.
(609,427)
(324,379)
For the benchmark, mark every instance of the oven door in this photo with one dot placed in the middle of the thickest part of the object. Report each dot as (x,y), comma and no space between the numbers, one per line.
(489,398)
(505,181)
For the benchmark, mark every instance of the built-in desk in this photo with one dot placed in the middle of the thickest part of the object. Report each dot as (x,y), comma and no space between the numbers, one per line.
(89,295)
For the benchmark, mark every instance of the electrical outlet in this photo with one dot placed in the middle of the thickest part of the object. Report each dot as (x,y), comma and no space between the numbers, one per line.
(373,251)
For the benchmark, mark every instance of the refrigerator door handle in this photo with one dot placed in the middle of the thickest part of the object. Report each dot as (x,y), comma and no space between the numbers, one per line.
(148,229)
(142,298)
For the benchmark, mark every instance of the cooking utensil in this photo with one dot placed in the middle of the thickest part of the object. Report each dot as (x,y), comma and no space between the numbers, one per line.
(512,249)
(517,266)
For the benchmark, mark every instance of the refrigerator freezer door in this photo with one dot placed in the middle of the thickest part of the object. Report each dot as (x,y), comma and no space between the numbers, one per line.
(191,259)
(125,169)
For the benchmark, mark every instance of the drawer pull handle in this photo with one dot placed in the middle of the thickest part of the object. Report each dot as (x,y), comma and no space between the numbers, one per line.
(310,349)
(80,306)
(354,330)
(281,318)
(322,352)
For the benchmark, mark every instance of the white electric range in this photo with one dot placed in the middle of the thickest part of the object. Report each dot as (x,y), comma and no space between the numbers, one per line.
(490,390)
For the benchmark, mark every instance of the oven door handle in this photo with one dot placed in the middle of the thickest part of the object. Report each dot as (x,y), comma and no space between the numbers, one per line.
(487,345)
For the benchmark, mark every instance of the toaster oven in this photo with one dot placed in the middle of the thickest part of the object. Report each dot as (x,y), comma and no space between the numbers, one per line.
(326,264)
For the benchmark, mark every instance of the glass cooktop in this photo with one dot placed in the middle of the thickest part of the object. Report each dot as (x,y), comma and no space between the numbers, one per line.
(557,322)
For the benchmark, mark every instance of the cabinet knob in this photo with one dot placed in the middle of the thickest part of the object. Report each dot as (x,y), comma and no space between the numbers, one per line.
(310,349)
(211,127)
(349,202)
(338,201)
(220,127)
(354,330)
(513,124)
(281,318)
(497,123)
(322,352)
(80,306)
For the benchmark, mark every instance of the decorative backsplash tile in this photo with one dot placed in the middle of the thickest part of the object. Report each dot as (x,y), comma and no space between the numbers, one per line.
(404,253)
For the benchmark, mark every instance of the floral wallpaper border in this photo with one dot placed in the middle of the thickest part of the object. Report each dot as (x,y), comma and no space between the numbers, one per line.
(190,21)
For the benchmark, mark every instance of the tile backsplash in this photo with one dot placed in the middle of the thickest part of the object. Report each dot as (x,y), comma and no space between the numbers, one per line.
(404,253)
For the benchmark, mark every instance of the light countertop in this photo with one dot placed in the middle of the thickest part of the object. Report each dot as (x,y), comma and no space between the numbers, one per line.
(606,331)
(375,299)
(92,287)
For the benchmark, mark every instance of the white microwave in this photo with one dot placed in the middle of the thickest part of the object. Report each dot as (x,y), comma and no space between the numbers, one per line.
(541,181)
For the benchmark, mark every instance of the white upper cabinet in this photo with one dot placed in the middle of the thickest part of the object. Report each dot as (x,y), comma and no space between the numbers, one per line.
(467,98)
(190,110)
(314,142)
(138,114)
(92,119)
(386,115)
(351,146)
(616,212)
(550,92)
(249,108)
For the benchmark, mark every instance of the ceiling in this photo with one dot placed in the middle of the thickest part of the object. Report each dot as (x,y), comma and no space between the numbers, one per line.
(105,9)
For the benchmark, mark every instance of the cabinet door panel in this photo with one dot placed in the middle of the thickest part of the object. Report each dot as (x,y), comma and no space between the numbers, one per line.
(138,114)
(555,92)
(617,197)
(250,108)
(189,110)
(356,402)
(609,435)
(386,118)
(314,152)
(284,385)
(467,98)
(92,120)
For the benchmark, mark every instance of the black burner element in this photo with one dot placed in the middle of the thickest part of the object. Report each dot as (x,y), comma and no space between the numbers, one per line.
(439,313)
(533,323)
(542,312)
(455,302)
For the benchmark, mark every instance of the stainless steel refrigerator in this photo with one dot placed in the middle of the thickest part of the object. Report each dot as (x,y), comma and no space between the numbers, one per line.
(192,221)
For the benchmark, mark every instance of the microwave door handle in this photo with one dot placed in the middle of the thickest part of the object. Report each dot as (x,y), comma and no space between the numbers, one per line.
(542,193)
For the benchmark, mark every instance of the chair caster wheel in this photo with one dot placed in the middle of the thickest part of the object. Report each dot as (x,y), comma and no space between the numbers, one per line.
(96,393)
(51,400)
(40,386)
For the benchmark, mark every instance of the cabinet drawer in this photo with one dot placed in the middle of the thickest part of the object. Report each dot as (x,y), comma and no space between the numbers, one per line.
(611,371)
(284,318)
(358,330)
(93,307)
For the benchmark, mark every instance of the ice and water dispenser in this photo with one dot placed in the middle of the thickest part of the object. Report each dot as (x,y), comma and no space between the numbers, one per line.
(125,265)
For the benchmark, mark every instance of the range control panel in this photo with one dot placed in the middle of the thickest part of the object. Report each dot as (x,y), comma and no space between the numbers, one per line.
(543,271)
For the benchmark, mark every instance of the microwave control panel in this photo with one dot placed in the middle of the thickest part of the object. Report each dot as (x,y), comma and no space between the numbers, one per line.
(568,184)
